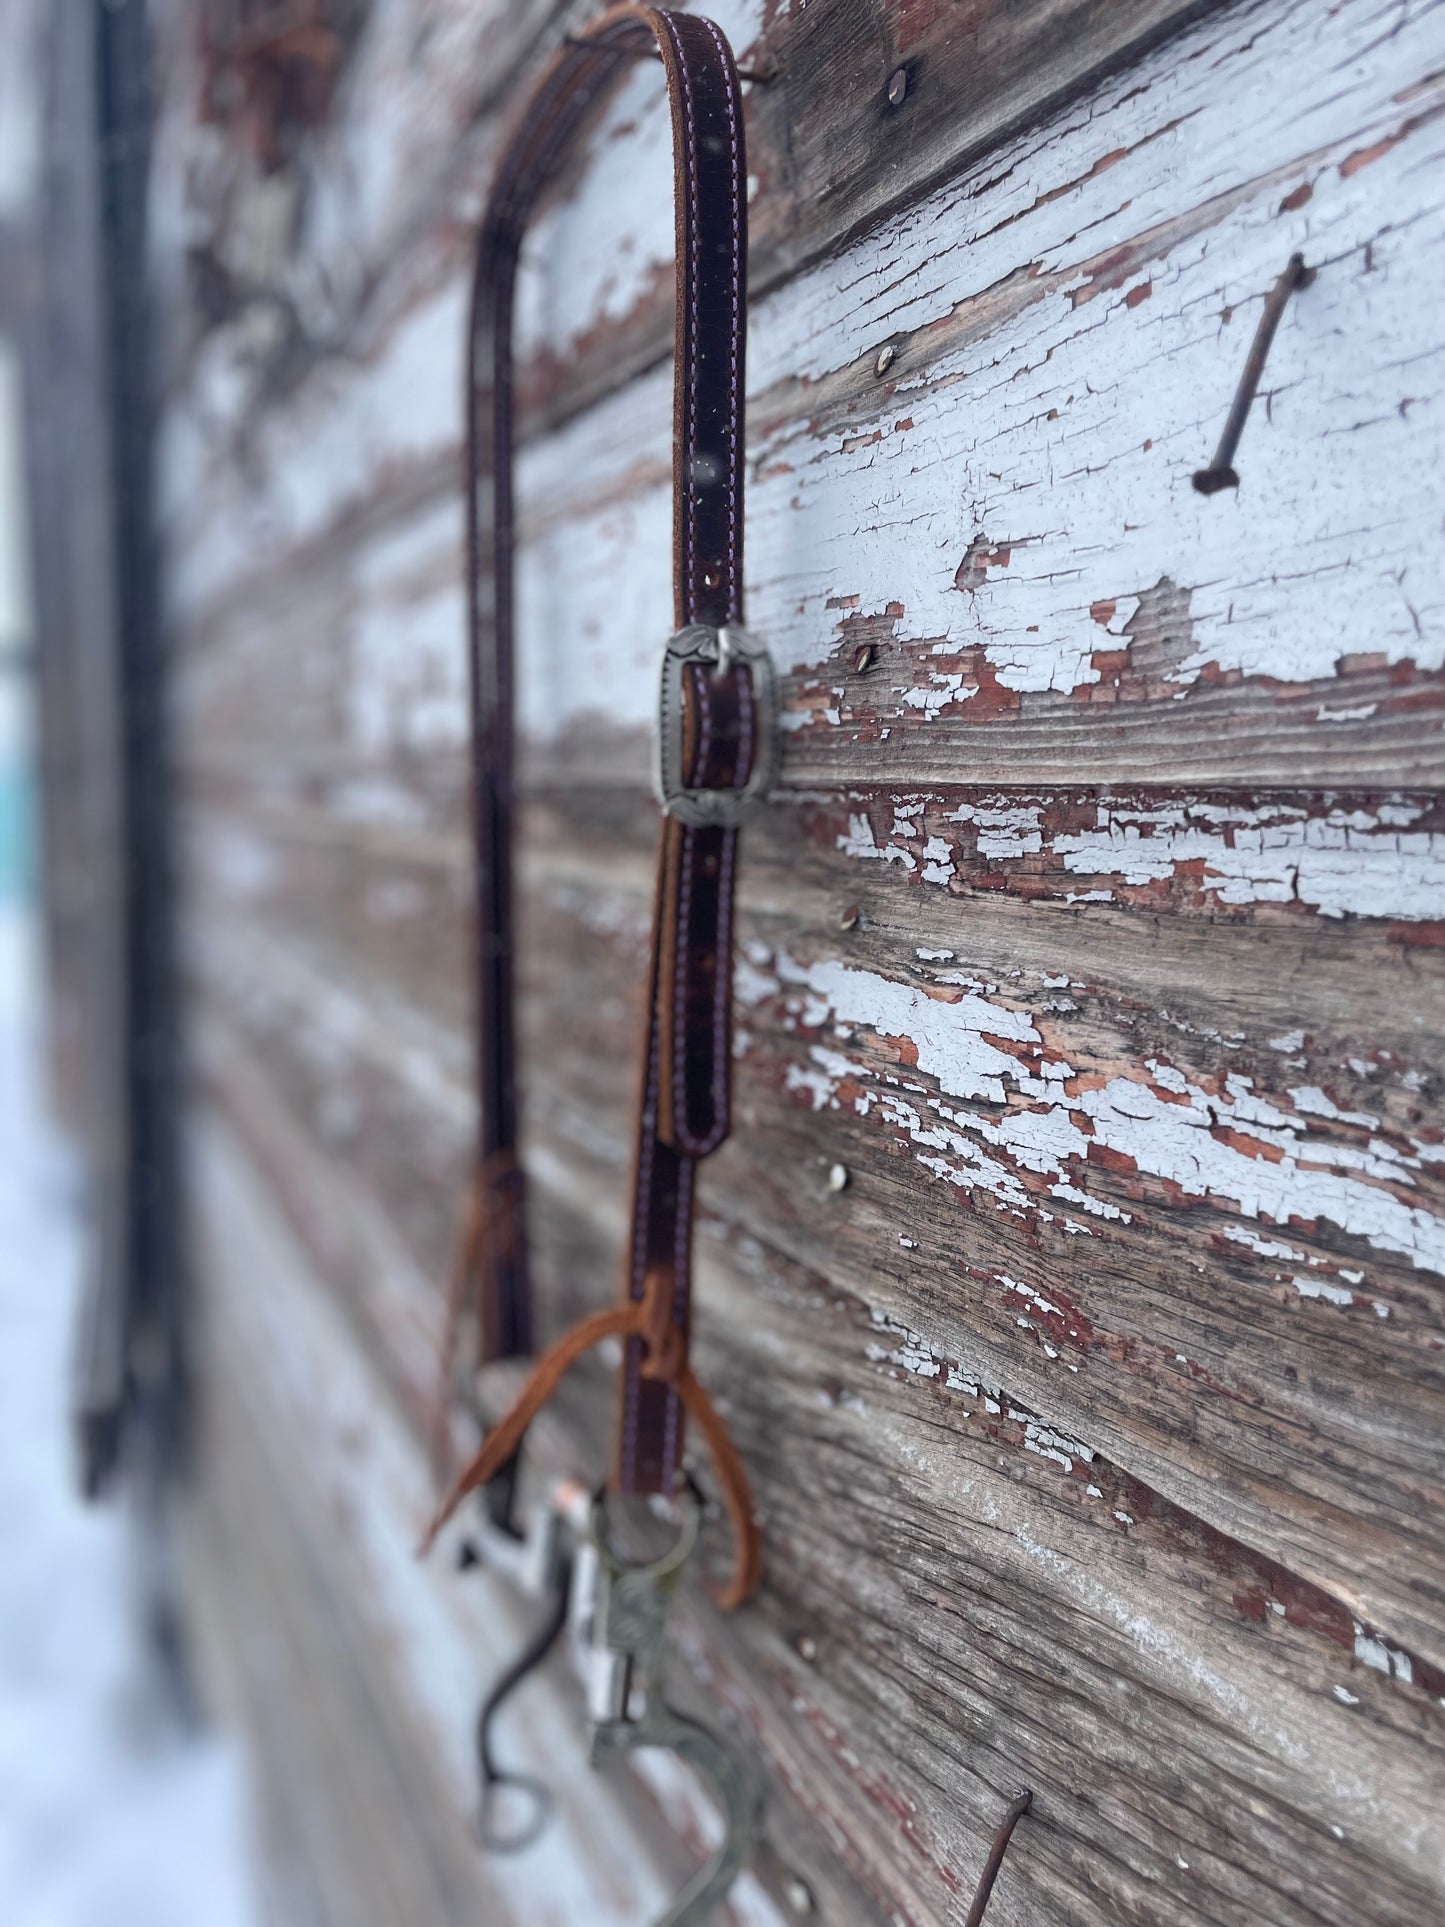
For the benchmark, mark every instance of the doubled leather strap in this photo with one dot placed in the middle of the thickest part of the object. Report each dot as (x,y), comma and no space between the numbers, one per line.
(684,1107)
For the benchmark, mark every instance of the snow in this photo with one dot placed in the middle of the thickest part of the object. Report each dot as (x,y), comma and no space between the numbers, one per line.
(114,1814)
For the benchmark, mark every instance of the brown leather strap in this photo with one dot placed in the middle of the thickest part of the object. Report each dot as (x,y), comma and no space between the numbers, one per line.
(683,1113)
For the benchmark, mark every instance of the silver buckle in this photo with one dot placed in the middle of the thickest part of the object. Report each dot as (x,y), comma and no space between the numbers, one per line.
(717,649)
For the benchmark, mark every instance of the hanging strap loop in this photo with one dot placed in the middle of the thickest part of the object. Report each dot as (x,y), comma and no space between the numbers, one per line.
(718,756)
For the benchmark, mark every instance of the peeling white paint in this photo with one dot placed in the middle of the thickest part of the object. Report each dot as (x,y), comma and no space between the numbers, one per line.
(1083,413)
(1004,830)
(1382,1657)
(1338,862)
(1320,1288)
(1236,1149)
(1266,1247)
(859,841)
(1276,574)
(1343,863)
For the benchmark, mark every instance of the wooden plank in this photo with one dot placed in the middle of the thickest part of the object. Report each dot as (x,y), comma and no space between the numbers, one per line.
(1095,935)
(427,97)
(1180,1195)
(989,1601)
(1043,595)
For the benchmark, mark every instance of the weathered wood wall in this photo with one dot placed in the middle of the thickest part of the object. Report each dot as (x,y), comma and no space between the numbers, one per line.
(1097,1423)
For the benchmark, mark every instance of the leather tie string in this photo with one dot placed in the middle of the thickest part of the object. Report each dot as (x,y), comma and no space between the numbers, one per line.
(686,1064)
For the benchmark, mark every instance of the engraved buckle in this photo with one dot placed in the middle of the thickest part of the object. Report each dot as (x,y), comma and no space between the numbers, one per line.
(717,649)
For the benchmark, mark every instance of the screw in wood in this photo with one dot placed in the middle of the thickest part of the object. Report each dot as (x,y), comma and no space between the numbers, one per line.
(847,919)
(897,86)
(887,355)
(1220,472)
(864,657)
(998,1847)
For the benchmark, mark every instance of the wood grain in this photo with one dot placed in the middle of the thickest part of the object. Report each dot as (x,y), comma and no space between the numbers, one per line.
(1003,523)
(1055,1611)
(1005,1111)
(1095,934)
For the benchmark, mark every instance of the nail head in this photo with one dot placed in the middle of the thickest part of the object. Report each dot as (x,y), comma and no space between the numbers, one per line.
(1209,481)
(897,87)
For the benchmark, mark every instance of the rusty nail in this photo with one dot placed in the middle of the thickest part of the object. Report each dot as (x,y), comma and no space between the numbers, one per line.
(1018,1807)
(864,657)
(837,1177)
(887,355)
(897,86)
(806,1647)
(798,1895)
(1220,472)
(849,917)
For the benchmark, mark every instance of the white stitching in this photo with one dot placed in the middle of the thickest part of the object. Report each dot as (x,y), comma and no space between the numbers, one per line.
(689,440)
(739,322)
(722,993)
(681,1276)
(631,1377)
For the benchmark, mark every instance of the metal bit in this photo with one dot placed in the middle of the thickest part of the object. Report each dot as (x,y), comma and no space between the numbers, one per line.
(626,1706)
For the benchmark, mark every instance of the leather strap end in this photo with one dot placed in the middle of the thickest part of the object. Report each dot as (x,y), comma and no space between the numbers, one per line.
(747,1570)
(506,1436)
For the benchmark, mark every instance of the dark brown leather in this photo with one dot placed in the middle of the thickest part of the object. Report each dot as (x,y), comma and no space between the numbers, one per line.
(684,1105)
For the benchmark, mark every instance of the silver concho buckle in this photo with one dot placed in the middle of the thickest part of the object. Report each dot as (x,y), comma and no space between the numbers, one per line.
(716,649)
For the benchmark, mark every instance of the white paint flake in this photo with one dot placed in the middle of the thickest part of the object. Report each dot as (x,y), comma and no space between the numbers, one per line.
(1320,1288)
(1231,1147)
(1345,863)
(859,841)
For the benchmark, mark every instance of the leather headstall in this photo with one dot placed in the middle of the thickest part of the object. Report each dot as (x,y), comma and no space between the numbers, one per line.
(715,759)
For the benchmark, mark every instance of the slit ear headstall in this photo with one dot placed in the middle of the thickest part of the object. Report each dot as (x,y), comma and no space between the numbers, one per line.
(716,758)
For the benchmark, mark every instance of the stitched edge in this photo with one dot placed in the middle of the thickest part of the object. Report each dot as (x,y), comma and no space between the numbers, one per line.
(689,439)
(682,956)
(681,1278)
(735,596)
